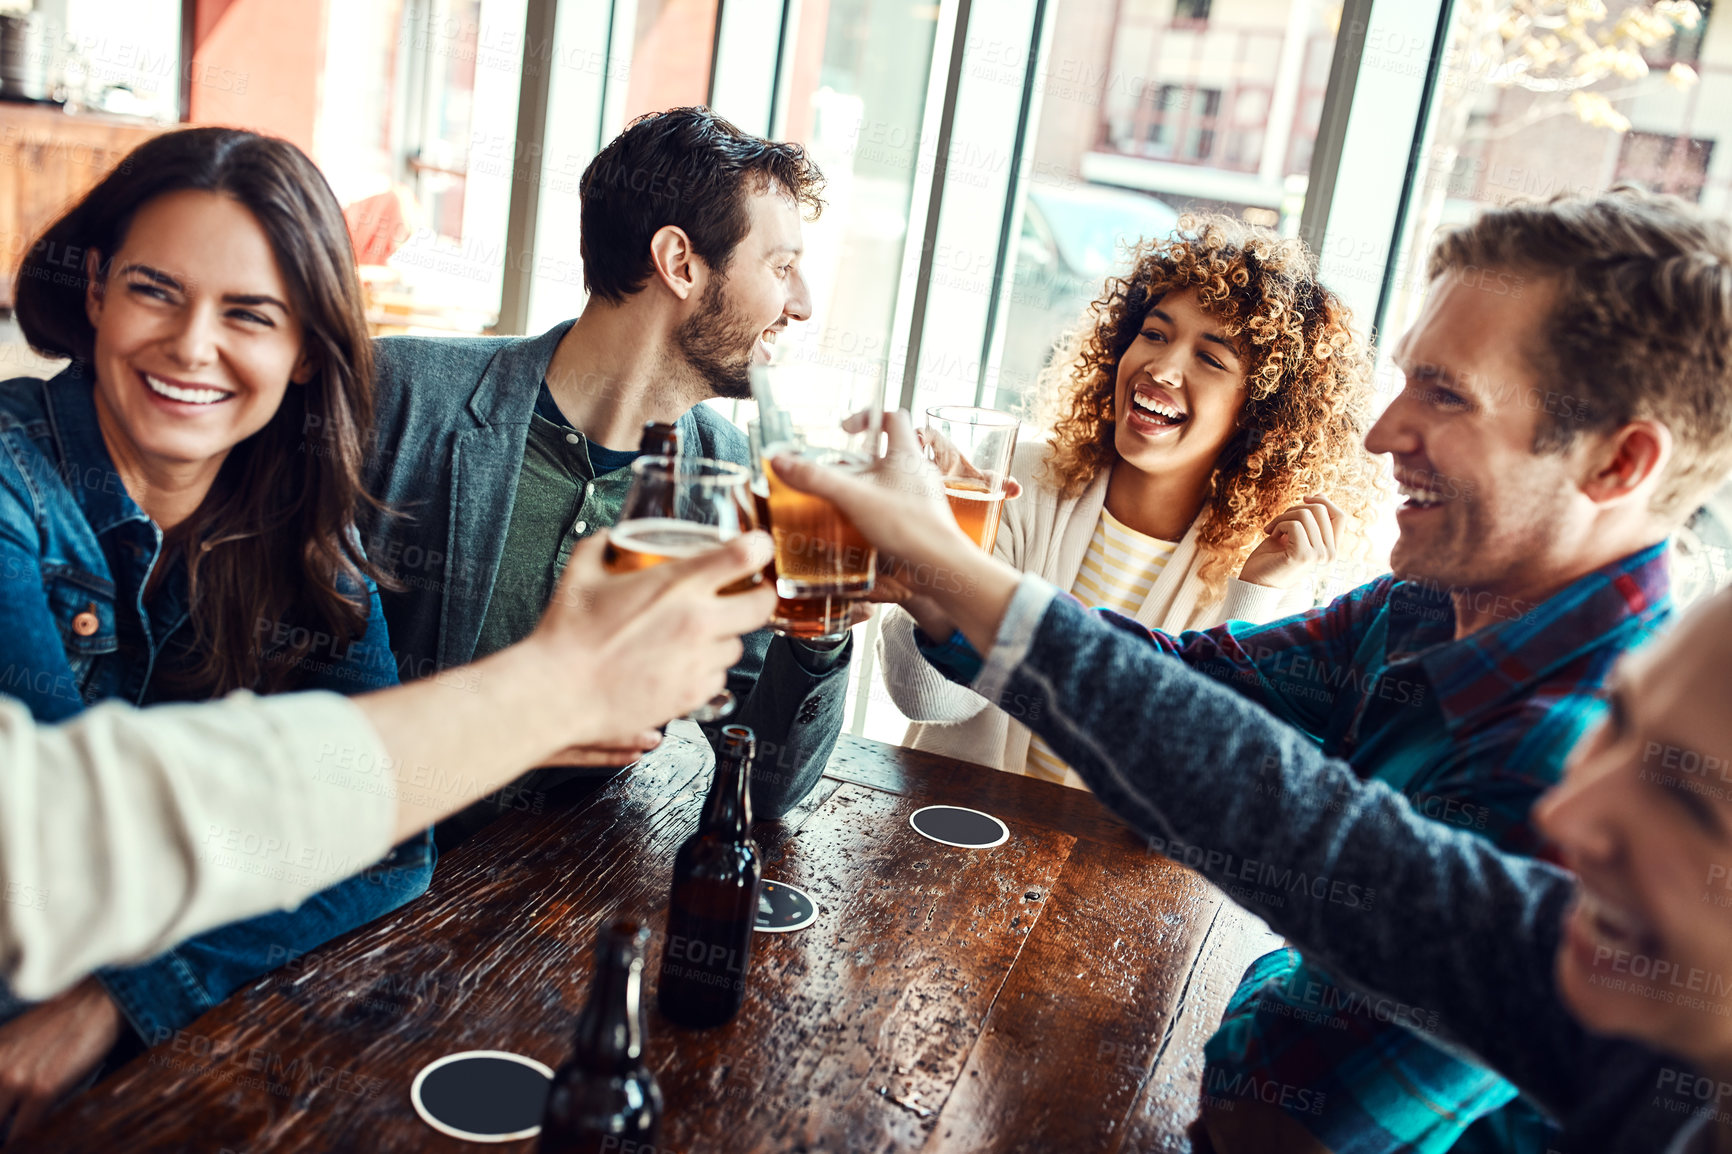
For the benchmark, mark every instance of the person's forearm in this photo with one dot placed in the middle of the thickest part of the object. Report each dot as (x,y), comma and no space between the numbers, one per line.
(969,591)
(1346,868)
(127,829)
(471,730)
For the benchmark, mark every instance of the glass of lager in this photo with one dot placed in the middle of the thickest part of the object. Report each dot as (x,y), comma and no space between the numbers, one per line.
(972,447)
(823,617)
(829,410)
(679,507)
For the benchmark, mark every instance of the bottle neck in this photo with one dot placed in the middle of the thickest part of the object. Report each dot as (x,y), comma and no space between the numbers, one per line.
(659,440)
(610,1029)
(728,808)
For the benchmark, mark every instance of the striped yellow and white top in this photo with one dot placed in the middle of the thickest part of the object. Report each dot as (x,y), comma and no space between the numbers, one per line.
(1117,572)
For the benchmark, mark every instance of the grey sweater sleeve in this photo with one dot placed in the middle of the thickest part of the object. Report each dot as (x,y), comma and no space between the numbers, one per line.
(1387,900)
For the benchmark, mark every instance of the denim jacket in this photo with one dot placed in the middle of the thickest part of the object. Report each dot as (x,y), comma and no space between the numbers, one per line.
(75,553)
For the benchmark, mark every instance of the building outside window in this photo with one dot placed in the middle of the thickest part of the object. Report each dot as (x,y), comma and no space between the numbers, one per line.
(1675,164)
(1514,120)
(1190,11)
(1150,108)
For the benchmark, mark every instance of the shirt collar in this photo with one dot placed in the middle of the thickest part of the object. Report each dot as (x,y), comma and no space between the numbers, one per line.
(85,466)
(1616,604)
(692,441)
(505,393)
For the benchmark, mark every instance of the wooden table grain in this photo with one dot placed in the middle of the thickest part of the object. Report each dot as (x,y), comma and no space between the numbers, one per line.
(1051,994)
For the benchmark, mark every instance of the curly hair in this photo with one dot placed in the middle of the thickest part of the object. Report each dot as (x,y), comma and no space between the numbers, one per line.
(1308,383)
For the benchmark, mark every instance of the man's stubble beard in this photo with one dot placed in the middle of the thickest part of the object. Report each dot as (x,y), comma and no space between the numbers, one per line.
(718,345)
(1483,549)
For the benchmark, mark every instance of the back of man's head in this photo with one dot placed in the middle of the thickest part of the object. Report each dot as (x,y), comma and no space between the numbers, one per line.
(685,167)
(1641,327)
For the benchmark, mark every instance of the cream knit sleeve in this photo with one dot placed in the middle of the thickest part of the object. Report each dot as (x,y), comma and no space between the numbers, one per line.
(919,691)
(126,830)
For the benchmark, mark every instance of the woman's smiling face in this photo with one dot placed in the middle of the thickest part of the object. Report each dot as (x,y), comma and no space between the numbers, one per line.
(196,342)
(1179,388)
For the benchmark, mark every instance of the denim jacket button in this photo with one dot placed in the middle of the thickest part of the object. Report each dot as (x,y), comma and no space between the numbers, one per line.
(86,622)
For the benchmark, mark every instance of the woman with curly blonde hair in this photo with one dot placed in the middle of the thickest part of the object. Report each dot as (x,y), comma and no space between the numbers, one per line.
(1205,458)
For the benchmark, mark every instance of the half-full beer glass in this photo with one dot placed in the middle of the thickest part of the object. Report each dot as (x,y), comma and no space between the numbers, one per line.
(678,507)
(831,412)
(972,447)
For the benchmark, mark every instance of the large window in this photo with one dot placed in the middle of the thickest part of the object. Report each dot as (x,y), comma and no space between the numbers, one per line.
(1522,111)
(1190,11)
(1675,164)
(415,131)
(1149,109)
(671,54)
(855,93)
(988,161)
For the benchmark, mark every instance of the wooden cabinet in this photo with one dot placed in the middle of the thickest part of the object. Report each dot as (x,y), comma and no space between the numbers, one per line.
(48,159)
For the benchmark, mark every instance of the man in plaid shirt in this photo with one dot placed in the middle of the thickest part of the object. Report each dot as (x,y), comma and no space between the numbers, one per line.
(1553,365)
(1472,730)
(1559,366)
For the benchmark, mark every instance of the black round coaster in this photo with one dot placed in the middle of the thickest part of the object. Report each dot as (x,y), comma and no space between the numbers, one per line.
(783,908)
(483,1095)
(964,828)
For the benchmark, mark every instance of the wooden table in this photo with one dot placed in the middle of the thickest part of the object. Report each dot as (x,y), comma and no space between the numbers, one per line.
(1052,994)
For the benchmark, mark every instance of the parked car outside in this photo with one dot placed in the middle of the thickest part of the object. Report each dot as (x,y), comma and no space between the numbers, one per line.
(1072,239)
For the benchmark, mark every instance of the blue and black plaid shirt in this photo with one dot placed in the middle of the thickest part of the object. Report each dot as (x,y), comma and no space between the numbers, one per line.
(1472,731)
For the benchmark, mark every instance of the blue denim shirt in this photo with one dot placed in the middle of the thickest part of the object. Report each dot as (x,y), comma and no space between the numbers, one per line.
(75,553)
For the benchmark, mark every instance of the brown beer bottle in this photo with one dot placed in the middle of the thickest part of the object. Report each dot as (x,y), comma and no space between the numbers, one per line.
(715,898)
(604,1096)
(659,440)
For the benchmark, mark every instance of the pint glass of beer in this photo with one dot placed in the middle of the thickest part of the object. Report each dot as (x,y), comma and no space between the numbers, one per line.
(679,507)
(823,617)
(830,411)
(972,447)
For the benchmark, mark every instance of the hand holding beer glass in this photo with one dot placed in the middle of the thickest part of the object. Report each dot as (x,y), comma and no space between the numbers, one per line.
(679,507)
(824,618)
(972,448)
(830,413)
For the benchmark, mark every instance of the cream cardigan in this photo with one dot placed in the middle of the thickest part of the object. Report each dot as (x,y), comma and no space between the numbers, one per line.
(1048,535)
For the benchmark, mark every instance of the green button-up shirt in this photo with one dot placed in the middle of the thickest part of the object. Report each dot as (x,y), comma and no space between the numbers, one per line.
(560,501)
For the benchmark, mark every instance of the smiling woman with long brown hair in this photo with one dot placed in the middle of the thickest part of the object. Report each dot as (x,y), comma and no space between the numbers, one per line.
(1204,459)
(178,514)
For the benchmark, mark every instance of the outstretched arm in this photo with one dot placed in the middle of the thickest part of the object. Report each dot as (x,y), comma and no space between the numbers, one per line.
(1451,922)
(126,830)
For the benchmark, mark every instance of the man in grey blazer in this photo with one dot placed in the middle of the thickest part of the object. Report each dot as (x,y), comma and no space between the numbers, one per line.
(497,455)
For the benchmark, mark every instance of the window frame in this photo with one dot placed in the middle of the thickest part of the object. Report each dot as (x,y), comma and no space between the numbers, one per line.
(982,107)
